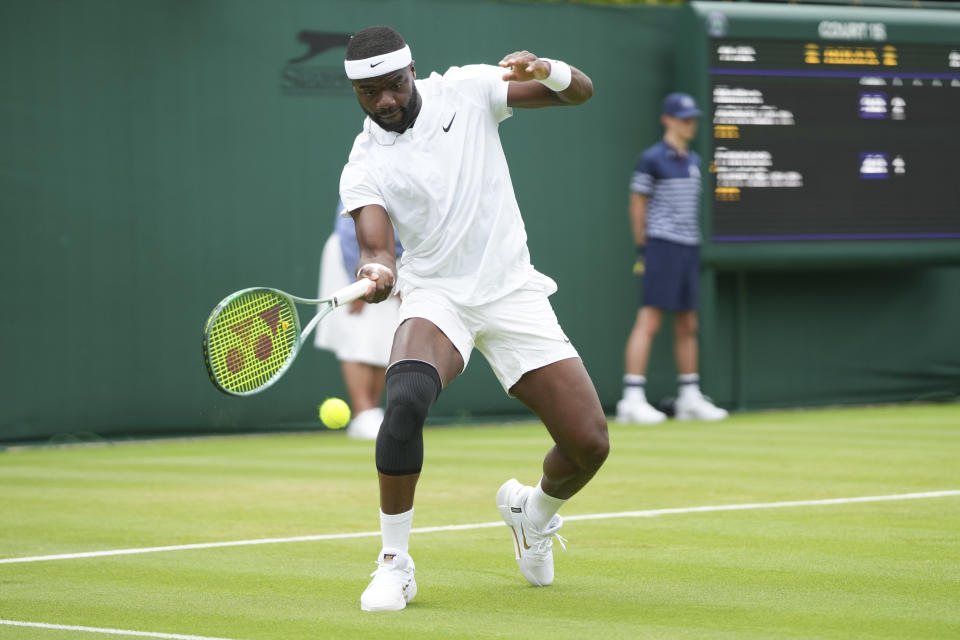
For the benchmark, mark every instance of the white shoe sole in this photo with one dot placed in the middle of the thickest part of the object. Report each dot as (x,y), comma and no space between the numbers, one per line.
(629,420)
(653,418)
(690,416)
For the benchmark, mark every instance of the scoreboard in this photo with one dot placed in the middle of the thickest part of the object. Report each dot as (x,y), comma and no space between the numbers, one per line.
(832,134)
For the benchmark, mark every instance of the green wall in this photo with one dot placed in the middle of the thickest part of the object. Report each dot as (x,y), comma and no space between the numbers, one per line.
(156,155)
(159,154)
(821,337)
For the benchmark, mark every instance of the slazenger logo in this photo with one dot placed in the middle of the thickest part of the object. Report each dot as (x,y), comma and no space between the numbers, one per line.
(304,75)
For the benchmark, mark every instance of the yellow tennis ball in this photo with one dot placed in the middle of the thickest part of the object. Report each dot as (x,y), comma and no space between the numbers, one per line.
(335,413)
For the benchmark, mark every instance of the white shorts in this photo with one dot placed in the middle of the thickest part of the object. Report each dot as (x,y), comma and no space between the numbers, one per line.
(516,334)
(364,337)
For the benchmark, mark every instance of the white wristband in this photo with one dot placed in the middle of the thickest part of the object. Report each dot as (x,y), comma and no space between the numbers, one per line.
(560,75)
(377,265)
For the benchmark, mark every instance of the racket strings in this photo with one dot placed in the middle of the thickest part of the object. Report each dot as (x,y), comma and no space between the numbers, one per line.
(251,339)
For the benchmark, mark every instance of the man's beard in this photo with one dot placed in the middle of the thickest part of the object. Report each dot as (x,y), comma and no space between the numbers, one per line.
(409,112)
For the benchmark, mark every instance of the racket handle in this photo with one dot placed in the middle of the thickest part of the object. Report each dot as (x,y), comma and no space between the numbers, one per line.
(351,292)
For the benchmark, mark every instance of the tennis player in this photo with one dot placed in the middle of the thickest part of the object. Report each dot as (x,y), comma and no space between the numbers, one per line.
(429,160)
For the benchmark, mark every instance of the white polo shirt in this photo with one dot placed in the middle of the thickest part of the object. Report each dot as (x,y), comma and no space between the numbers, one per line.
(446,187)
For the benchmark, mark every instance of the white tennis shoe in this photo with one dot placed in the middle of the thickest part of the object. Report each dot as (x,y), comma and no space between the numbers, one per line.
(366,424)
(639,412)
(533,548)
(695,406)
(393,585)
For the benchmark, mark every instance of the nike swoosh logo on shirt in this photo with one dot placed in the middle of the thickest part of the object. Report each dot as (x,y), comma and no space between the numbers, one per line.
(450,124)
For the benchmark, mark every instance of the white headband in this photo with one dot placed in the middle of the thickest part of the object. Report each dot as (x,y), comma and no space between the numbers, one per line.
(378,65)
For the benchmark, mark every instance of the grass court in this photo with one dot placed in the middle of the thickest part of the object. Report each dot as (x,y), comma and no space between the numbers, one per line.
(841,523)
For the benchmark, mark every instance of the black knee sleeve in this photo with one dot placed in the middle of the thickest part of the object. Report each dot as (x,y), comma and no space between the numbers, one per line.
(412,388)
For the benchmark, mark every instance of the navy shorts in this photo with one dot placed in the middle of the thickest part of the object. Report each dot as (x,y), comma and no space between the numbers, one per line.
(671,278)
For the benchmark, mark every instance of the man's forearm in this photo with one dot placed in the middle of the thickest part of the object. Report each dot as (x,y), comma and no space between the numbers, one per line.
(638,218)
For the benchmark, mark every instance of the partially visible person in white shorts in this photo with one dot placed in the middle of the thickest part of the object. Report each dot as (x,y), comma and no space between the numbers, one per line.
(359,334)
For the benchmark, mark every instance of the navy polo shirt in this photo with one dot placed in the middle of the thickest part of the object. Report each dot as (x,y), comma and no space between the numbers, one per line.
(672,184)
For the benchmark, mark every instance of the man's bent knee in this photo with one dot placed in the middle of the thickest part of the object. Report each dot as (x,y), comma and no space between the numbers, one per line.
(596,452)
(593,447)
(412,387)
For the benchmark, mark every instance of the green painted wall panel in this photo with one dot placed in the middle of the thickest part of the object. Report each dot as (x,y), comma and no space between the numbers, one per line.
(156,155)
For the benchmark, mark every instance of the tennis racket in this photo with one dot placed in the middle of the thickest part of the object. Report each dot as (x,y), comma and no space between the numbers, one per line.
(252,337)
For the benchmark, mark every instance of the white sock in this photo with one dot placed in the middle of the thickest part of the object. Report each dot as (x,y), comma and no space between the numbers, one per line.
(395,530)
(688,385)
(633,388)
(541,508)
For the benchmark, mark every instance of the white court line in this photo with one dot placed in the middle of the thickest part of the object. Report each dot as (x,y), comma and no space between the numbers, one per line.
(766,505)
(115,632)
(652,513)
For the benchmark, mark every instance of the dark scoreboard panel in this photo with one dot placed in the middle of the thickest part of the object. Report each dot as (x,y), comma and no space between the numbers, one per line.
(831,134)
(810,142)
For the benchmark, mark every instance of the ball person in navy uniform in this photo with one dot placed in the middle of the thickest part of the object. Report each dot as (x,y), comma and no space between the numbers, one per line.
(664,196)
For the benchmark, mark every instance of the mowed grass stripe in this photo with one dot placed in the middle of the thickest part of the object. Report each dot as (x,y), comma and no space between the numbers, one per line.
(744,574)
(888,569)
(653,513)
